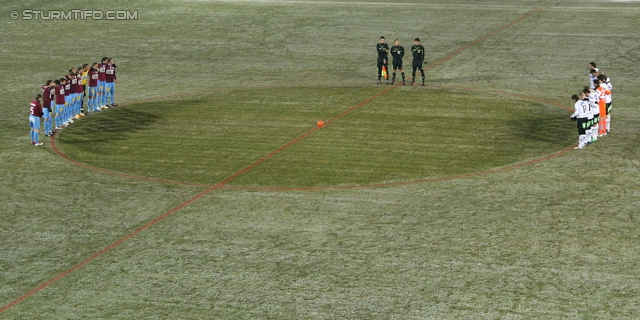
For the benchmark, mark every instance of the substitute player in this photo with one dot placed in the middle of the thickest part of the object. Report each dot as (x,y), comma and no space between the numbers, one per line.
(397,52)
(110,72)
(35,112)
(383,57)
(418,59)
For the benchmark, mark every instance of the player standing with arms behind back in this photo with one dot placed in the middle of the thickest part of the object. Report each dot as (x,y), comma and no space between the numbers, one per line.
(397,52)
(383,59)
(418,59)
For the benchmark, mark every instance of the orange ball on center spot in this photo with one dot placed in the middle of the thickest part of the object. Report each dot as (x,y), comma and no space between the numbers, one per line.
(320,123)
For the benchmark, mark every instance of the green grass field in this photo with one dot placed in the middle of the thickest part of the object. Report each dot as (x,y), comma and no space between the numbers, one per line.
(457,200)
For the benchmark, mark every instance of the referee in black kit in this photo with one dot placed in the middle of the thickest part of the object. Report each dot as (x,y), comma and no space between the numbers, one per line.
(383,57)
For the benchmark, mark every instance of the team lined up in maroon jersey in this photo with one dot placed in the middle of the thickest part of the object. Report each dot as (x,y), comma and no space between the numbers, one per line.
(63,100)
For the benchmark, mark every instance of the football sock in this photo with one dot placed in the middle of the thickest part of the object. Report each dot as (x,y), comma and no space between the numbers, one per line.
(608,122)
(402,76)
(394,77)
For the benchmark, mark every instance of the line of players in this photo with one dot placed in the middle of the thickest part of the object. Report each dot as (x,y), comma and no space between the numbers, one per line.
(63,99)
(593,108)
(397,52)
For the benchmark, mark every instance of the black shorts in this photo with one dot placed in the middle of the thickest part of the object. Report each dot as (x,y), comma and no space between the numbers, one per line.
(417,65)
(381,62)
(596,118)
(397,64)
(608,108)
(582,125)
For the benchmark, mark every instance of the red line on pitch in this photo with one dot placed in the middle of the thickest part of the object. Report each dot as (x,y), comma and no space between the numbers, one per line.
(449,56)
(230,178)
(375,96)
(401,183)
(154,221)
(530,12)
(113,245)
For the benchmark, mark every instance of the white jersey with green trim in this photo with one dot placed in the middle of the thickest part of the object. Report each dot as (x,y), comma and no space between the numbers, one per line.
(581,110)
(594,96)
(590,109)
(607,85)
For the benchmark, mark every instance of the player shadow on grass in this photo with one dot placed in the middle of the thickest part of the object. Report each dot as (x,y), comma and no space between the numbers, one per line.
(540,129)
(108,126)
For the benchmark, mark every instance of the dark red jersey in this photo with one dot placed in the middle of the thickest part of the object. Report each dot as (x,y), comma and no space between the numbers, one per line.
(74,84)
(79,83)
(93,77)
(110,72)
(46,96)
(67,88)
(60,94)
(35,109)
(102,74)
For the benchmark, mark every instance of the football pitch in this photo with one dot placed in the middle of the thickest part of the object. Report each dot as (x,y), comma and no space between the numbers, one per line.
(210,193)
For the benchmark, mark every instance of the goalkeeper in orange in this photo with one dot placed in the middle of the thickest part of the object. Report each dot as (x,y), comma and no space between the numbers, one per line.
(602,104)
